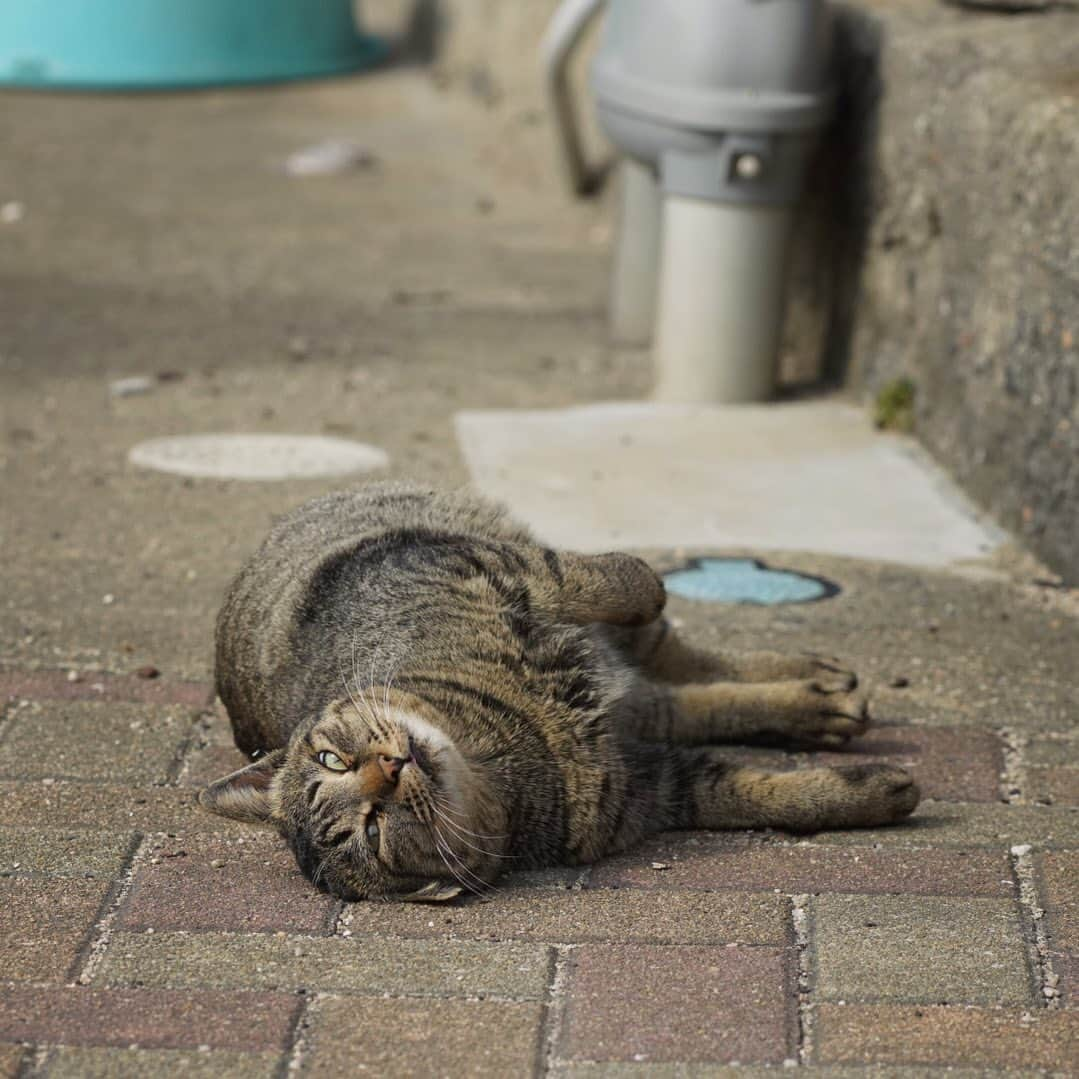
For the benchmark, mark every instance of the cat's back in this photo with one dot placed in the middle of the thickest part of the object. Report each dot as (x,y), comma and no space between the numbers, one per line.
(320,560)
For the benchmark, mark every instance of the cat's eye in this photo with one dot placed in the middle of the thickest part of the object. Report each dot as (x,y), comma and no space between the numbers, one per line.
(331,760)
(373,832)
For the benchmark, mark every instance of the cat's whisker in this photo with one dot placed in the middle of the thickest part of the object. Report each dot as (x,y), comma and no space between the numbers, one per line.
(450,812)
(462,831)
(480,887)
(443,851)
(480,850)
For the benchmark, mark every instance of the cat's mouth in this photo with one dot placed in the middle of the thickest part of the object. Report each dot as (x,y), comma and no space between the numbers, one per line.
(421,758)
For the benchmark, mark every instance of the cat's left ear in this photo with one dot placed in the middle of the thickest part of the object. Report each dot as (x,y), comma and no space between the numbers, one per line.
(437,891)
(245,795)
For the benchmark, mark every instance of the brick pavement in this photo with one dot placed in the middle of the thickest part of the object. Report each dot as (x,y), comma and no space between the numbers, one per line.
(143,937)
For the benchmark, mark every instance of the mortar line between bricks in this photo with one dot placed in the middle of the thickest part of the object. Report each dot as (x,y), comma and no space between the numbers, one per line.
(554,1009)
(293,1063)
(1013,778)
(105,924)
(181,765)
(804,1012)
(343,919)
(34,1063)
(183,750)
(9,716)
(1045,977)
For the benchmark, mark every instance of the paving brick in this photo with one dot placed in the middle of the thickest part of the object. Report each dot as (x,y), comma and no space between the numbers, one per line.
(95,740)
(372,966)
(99,686)
(561,877)
(1058,879)
(110,807)
(44,925)
(1052,752)
(64,853)
(950,765)
(209,761)
(154,1018)
(911,949)
(80,1063)
(711,863)
(595,915)
(650,1003)
(936,1036)
(949,824)
(257,887)
(1053,786)
(423,1038)
(1067,970)
(212,753)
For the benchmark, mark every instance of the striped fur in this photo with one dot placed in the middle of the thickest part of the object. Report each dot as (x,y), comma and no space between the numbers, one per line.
(433,697)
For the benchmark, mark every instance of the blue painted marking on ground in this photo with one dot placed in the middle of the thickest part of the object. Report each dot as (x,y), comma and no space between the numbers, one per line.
(744,580)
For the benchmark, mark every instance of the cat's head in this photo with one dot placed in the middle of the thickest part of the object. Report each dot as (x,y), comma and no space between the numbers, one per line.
(376,802)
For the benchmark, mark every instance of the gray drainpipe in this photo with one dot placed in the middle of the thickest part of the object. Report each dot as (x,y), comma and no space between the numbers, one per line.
(715,106)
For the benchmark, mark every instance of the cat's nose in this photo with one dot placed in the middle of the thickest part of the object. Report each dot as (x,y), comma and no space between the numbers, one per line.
(391,766)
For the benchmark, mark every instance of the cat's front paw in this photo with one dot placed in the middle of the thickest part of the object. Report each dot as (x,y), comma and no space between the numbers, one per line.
(829,711)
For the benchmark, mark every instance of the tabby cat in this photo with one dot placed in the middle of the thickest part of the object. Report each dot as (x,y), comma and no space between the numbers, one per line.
(431,697)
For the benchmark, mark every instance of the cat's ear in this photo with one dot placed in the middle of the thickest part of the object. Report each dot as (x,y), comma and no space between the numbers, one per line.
(438,891)
(245,795)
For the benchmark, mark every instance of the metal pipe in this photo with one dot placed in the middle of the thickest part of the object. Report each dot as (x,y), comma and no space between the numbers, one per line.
(564,31)
(636,255)
(720,300)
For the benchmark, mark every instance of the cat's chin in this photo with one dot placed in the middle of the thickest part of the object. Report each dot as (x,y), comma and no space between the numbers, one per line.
(437,757)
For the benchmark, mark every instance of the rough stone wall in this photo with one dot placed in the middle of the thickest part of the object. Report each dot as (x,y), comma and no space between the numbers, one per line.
(969,279)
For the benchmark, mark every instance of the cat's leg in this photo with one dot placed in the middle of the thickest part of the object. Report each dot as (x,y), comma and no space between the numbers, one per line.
(672,787)
(662,653)
(615,588)
(823,711)
(699,789)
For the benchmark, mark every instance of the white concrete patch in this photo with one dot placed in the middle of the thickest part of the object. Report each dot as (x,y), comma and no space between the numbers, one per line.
(257,457)
(805,476)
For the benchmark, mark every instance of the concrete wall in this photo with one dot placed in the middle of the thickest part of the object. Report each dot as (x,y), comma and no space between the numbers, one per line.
(969,280)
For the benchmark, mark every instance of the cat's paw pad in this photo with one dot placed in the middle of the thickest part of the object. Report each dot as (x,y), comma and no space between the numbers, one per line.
(879,793)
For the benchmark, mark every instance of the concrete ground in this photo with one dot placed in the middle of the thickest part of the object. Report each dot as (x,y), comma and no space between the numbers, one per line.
(160,237)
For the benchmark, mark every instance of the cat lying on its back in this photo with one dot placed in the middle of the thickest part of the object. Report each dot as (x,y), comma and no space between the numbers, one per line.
(431,697)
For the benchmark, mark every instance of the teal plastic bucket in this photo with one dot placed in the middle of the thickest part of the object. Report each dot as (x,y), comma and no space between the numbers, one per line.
(151,44)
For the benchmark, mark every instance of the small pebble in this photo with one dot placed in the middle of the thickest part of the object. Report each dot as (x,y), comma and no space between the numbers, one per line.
(1021,849)
(131,387)
(900,683)
(149,671)
(218,863)
(660,866)
(108,599)
(11,213)
(329,157)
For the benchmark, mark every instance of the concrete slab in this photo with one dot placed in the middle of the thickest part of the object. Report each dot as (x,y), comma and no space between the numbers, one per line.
(812,475)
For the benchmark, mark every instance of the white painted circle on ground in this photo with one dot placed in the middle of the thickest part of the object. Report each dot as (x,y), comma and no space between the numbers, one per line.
(257,457)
